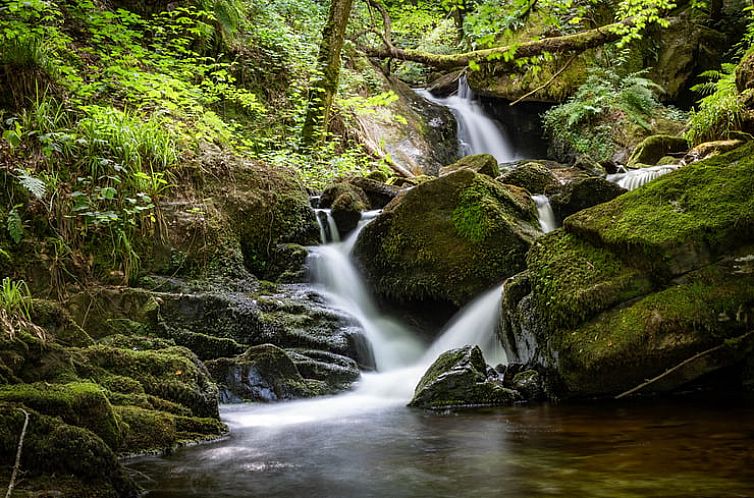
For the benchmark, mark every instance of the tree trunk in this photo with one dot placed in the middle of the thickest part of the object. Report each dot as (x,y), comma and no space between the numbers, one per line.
(322,93)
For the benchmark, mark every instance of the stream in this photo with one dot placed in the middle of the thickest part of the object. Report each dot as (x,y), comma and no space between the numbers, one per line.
(367,443)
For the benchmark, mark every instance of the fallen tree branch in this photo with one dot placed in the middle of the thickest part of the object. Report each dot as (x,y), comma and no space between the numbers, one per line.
(577,42)
(17,465)
(547,83)
(681,364)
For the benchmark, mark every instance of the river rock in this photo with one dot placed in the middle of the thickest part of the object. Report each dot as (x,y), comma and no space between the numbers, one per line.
(484,164)
(378,193)
(458,378)
(533,176)
(448,239)
(581,194)
(654,148)
(263,373)
(710,149)
(631,289)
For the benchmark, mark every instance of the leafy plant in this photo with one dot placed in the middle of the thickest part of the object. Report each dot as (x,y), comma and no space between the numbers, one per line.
(721,110)
(586,123)
(15,308)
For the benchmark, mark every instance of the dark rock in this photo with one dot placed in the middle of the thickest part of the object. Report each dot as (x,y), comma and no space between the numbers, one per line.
(459,378)
(263,373)
(448,239)
(484,164)
(529,384)
(338,372)
(378,193)
(582,194)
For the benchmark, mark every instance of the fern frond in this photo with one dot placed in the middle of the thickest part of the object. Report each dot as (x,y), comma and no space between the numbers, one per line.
(15,225)
(35,186)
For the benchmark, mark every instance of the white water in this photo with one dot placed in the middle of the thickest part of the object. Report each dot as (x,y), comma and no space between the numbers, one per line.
(333,228)
(401,358)
(546,215)
(635,178)
(477,132)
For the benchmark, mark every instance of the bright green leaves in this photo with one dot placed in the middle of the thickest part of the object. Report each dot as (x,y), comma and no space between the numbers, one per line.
(639,15)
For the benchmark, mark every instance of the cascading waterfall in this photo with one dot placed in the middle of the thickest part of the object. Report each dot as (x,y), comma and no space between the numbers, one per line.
(393,344)
(547,218)
(635,178)
(477,132)
(328,230)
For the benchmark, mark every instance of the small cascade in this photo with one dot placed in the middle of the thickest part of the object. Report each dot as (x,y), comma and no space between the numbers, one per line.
(476,323)
(635,178)
(393,344)
(328,230)
(546,215)
(477,132)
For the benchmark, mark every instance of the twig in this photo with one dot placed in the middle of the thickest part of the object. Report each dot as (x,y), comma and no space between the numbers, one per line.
(17,465)
(681,364)
(547,83)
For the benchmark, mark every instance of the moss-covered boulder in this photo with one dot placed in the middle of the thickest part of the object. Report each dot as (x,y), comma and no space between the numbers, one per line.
(378,193)
(654,148)
(707,150)
(82,464)
(448,239)
(533,176)
(346,201)
(78,403)
(656,283)
(581,194)
(336,371)
(263,373)
(484,164)
(459,378)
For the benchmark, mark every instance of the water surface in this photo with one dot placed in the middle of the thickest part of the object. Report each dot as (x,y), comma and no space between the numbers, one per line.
(361,446)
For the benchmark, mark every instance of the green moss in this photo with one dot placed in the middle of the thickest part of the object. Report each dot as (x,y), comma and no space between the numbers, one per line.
(83,404)
(448,239)
(532,176)
(654,148)
(174,374)
(484,164)
(680,221)
(623,347)
(573,280)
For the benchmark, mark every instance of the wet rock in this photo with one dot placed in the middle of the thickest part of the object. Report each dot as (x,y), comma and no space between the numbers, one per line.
(654,148)
(378,193)
(533,176)
(656,283)
(448,239)
(582,194)
(484,164)
(346,201)
(338,372)
(707,150)
(459,378)
(529,384)
(263,373)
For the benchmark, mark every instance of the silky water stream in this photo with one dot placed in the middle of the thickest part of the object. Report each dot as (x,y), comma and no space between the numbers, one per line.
(367,443)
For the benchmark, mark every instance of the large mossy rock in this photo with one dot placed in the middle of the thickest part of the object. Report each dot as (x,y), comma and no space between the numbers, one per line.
(632,288)
(484,164)
(59,459)
(581,194)
(448,239)
(654,148)
(459,378)
(263,373)
(533,176)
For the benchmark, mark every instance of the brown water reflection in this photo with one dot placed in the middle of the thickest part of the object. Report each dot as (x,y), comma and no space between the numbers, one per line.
(679,448)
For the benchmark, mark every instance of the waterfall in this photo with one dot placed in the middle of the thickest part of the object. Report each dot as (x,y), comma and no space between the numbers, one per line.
(546,215)
(393,344)
(476,323)
(635,178)
(328,230)
(477,132)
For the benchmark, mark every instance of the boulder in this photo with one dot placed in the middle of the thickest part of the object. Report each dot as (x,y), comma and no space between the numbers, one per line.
(378,193)
(448,239)
(484,164)
(582,194)
(656,284)
(459,378)
(711,149)
(533,176)
(263,373)
(654,148)
(346,201)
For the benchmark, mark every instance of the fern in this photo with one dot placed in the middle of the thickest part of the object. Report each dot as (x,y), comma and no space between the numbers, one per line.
(35,186)
(721,110)
(15,225)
